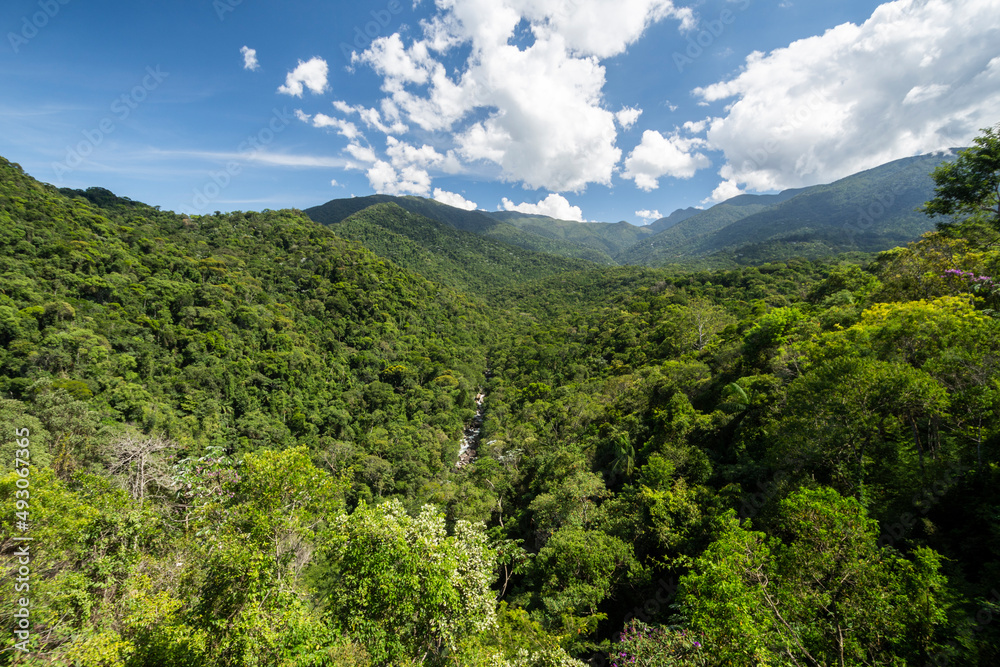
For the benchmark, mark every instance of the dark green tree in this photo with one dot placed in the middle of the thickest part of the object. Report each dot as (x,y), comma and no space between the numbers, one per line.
(970,186)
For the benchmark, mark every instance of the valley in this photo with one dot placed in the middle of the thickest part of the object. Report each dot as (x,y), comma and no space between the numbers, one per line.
(385,431)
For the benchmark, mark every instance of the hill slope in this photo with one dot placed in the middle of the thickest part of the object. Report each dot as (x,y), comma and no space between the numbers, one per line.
(439,252)
(245,330)
(869,211)
(608,237)
(470,221)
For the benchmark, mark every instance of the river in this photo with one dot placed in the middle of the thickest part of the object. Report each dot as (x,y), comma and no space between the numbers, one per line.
(470,437)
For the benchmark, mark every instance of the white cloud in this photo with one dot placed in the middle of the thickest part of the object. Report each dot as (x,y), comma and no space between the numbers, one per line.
(628,116)
(648,216)
(371,117)
(386,179)
(601,29)
(454,199)
(395,63)
(551,131)
(696,127)
(537,112)
(310,74)
(914,78)
(657,156)
(403,154)
(361,153)
(407,169)
(725,190)
(554,206)
(335,184)
(263,157)
(920,94)
(250,59)
(343,127)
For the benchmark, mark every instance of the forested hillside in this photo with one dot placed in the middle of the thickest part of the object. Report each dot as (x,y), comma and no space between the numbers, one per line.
(873,210)
(463,260)
(867,212)
(242,432)
(610,238)
(476,222)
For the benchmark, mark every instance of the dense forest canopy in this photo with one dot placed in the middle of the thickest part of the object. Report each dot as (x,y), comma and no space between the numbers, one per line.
(240,431)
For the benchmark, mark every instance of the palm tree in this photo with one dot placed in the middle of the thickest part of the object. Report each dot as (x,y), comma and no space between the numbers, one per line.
(624,455)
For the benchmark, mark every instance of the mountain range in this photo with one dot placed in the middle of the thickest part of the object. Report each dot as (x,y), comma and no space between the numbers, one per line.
(870,211)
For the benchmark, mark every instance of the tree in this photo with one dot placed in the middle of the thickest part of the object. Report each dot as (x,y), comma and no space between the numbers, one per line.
(578,569)
(852,421)
(970,186)
(138,460)
(404,587)
(822,593)
(257,537)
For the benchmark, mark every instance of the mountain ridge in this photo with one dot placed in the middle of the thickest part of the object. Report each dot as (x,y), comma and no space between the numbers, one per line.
(869,211)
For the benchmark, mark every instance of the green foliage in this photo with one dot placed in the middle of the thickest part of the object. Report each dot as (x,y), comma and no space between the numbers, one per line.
(463,260)
(821,593)
(403,586)
(239,423)
(970,186)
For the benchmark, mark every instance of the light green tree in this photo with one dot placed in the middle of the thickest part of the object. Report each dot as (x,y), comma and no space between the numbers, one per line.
(405,588)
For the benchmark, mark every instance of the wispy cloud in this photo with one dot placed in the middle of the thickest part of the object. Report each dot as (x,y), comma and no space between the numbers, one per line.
(262,157)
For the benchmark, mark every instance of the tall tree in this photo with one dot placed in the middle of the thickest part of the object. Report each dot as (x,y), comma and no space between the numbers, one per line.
(970,186)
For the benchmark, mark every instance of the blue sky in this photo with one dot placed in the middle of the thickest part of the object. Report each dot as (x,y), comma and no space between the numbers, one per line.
(583,109)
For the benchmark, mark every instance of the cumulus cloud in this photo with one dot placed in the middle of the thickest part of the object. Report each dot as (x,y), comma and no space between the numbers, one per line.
(535,112)
(395,63)
(658,156)
(628,116)
(601,29)
(648,216)
(250,59)
(343,127)
(386,179)
(554,206)
(406,169)
(917,76)
(725,190)
(454,199)
(310,74)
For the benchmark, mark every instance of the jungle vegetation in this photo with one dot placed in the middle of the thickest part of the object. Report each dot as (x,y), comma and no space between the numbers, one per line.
(243,430)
